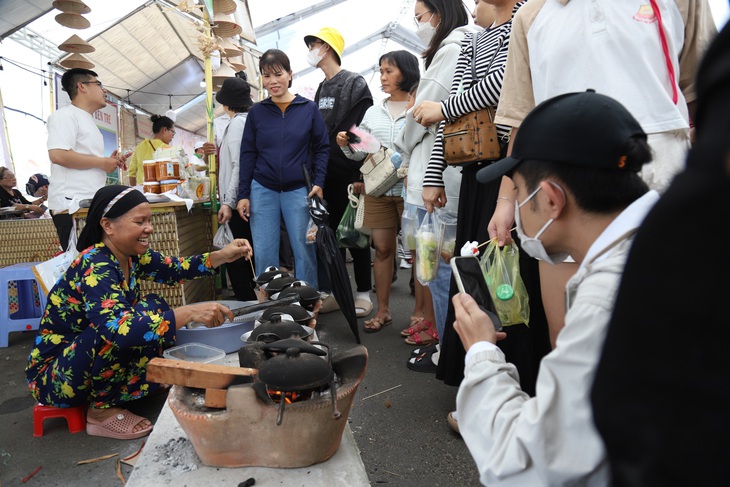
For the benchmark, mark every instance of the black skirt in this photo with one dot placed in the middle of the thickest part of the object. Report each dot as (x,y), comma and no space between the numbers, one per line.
(525,345)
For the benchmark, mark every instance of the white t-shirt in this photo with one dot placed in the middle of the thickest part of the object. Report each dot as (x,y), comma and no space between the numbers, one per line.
(71,128)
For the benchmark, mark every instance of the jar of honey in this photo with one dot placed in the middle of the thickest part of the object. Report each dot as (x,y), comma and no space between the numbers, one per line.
(169,185)
(150,171)
(152,187)
(167,168)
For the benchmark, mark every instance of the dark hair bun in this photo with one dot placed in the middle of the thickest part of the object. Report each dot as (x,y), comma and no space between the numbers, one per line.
(155,118)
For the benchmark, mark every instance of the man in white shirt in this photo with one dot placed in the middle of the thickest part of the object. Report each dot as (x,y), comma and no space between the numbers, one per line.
(76,148)
(577,192)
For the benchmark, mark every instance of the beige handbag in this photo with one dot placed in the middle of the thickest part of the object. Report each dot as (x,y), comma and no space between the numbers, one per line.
(359,201)
(378,172)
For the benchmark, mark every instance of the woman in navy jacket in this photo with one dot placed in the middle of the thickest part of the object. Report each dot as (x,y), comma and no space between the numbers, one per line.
(282,133)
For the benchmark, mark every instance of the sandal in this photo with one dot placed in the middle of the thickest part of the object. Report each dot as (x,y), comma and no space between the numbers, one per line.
(423,337)
(423,362)
(119,426)
(420,325)
(369,326)
(428,348)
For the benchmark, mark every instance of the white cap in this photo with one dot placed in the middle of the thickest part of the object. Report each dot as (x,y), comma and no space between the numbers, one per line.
(199,144)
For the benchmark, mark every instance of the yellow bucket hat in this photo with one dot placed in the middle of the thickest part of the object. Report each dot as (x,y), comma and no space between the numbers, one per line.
(331,36)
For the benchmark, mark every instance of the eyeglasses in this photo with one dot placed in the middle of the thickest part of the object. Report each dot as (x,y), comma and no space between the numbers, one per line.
(92,83)
(8,176)
(417,18)
(173,132)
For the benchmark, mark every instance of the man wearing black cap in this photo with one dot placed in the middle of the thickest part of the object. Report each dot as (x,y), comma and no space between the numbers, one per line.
(575,165)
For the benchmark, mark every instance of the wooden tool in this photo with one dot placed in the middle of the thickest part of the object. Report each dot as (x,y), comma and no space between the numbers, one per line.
(215,379)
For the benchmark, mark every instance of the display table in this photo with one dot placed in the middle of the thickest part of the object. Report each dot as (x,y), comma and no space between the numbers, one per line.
(179,233)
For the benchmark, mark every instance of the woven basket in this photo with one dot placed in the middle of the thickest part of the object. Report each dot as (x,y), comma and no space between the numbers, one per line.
(223,26)
(76,60)
(224,6)
(76,44)
(73,21)
(72,6)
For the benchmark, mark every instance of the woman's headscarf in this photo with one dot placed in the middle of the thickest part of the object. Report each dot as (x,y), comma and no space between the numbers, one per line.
(110,202)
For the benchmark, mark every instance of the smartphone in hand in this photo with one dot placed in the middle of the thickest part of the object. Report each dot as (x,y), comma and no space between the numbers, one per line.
(470,280)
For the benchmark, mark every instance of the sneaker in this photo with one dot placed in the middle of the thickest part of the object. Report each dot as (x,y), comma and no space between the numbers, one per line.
(405,264)
(329,304)
(453,422)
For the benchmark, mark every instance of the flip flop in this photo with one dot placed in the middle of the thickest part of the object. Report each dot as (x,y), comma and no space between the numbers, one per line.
(119,426)
(376,321)
(363,307)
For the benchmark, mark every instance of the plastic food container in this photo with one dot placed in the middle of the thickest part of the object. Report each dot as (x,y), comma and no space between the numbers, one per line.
(167,168)
(194,352)
(150,171)
(169,185)
(152,187)
(225,337)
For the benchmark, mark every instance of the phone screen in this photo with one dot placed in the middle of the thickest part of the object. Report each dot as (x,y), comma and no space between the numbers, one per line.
(470,279)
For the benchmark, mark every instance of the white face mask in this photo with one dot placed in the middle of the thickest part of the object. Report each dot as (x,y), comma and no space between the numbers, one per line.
(425,32)
(314,57)
(533,245)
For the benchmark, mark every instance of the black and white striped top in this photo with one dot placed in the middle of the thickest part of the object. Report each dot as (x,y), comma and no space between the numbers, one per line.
(492,47)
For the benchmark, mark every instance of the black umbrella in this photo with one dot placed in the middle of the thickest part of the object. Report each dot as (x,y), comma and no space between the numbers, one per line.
(328,252)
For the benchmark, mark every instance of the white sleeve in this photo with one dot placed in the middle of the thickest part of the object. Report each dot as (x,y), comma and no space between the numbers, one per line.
(63,129)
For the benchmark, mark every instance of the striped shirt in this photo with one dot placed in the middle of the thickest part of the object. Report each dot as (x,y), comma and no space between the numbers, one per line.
(492,47)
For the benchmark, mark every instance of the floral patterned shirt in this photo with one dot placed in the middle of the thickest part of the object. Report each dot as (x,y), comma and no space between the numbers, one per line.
(93,292)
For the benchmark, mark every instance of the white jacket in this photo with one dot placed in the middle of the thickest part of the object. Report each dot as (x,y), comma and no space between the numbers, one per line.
(414,143)
(550,439)
(230,157)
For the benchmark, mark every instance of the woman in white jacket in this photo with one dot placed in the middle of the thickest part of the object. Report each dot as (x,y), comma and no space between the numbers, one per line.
(235,96)
(442,24)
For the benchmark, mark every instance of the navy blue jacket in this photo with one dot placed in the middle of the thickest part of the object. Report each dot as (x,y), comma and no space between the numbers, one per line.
(275,146)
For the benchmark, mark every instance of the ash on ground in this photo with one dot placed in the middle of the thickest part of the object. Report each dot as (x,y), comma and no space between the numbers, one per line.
(177,454)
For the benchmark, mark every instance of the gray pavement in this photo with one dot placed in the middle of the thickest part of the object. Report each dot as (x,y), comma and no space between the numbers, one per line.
(402,435)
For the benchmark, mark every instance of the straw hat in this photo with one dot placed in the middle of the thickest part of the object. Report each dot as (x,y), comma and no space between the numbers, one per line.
(237,63)
(223,73)
(72,6)
(224,6)
(76,44)
(73,21)
(230,49)
(223,26)
(76,61)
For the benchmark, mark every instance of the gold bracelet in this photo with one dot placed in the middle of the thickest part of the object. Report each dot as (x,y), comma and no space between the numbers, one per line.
(506,199)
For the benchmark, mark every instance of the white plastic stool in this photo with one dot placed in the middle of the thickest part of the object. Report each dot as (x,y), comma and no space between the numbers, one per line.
(28,314)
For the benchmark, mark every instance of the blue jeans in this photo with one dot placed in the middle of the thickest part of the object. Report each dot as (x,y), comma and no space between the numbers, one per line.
(267,209)
(439,288)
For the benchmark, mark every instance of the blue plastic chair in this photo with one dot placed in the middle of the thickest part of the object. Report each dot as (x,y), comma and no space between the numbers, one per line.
(28,308)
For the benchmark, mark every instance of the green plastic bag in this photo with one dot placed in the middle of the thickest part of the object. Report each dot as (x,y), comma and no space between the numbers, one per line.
(347,236)
(501,267)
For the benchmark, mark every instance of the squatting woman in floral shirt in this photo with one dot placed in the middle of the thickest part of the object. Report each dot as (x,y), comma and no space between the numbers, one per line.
(97,333)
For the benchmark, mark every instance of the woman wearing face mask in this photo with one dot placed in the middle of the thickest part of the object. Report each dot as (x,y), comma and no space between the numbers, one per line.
(164,130)
(398,73)
(442,25)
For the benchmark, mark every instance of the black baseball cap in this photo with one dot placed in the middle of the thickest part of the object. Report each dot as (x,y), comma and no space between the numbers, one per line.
(585,129)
